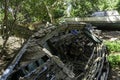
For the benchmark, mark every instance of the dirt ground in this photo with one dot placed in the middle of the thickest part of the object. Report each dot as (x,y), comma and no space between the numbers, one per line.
(13,44)
(110,35)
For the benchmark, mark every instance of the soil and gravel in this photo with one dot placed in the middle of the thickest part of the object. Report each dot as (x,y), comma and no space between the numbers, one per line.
(110,35)
(13,45)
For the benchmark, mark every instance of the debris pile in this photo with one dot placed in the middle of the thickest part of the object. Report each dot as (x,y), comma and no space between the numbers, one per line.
(70,51)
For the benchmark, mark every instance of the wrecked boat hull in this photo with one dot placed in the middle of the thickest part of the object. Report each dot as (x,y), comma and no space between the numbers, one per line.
(70,51)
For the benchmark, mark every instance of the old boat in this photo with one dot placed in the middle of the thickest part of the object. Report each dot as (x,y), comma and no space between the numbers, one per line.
(69,51)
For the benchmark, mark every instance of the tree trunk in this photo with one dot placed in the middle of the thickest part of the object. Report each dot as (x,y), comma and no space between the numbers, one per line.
(5,28)
(49,13)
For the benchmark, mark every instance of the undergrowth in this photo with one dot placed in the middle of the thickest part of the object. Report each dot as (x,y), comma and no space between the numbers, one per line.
(113,47)
(114,60)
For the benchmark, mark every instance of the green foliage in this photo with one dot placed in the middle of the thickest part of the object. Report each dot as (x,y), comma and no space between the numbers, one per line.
(83,8)
(118,6)
(114,60)
(113,46)
(108,4)
(29,11)
(35,10)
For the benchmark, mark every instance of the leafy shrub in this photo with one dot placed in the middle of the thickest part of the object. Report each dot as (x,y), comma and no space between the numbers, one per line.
(113,46)
(114,60)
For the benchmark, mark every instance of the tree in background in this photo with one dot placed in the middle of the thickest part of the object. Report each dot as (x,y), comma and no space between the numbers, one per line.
(26,12)
(5,27)
(8,21)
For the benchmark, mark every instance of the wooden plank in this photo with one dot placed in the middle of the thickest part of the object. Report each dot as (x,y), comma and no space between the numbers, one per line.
(106,19)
